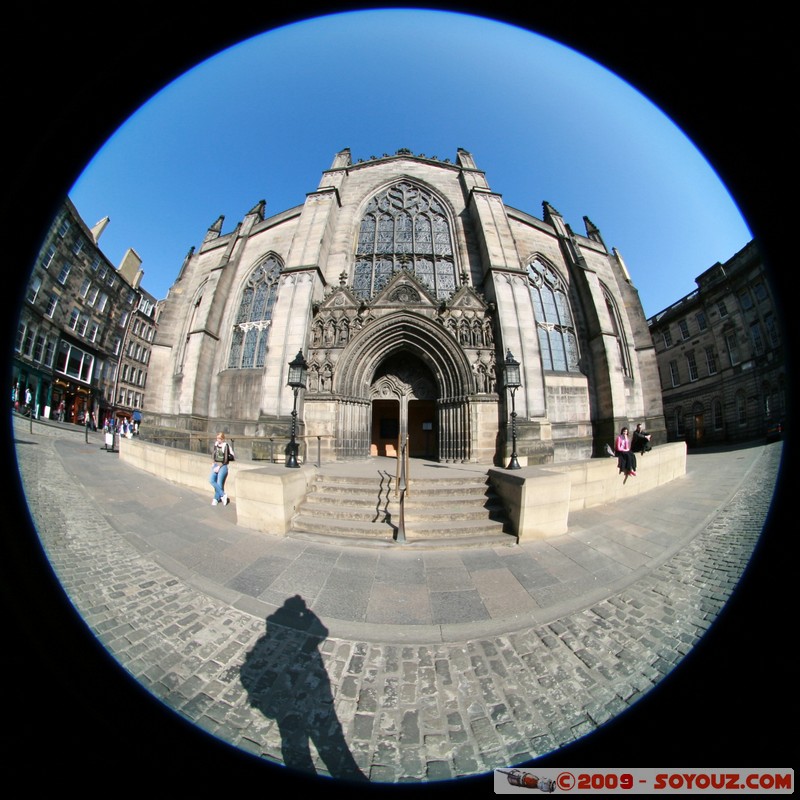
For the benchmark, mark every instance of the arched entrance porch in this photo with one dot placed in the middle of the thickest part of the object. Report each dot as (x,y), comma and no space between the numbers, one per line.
(402,373)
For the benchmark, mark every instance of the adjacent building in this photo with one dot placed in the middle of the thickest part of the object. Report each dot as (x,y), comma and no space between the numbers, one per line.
(77,318)
(405,282)
(721,356)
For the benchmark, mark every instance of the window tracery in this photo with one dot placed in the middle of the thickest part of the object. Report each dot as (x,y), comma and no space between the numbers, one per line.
(557,340)
(404,227)
(253,318)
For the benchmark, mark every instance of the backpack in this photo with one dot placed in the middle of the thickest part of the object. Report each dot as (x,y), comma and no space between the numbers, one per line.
(231,454)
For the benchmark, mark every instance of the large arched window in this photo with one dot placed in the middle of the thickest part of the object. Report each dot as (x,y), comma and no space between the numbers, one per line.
(251,328)
(556,329)
(619,335)
(404,227)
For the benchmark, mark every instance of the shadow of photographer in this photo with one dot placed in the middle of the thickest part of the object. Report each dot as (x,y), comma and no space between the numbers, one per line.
(286,680)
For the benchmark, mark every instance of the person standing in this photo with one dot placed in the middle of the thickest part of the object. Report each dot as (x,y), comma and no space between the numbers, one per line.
(219,470)
(626,460)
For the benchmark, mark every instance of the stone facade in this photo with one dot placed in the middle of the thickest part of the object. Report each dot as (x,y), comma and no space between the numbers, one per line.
(721,355)
(405,280)
(85,327)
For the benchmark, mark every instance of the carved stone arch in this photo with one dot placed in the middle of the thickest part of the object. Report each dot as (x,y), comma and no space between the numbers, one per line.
(404,331)
(443,378)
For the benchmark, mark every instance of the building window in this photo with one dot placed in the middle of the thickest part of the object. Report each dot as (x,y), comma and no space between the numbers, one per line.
(692,365)
(558,343)
(64,273)
(85,287)
(101,303)
(91,298)
(618,333)
(77,246)
(48,256)
(745,300)
(701,320)
(49,352)
(27,342)
(711,361)
(678,422)
(741,408)
(74,362)
(63,228)
(667,337)
(674,374)
(404,227)
(21,328)
(772,330)
(722,308)
(52,303)
(684,329)
(733,348)
(760,291)
(716,415)
(33,289)
(253,319)
(73,319)
(38,347)
(756,338)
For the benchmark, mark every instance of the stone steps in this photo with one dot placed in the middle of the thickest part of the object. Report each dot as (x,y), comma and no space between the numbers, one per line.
(437,510)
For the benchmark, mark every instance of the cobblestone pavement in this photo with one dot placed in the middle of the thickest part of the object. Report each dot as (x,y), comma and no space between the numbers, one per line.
(286,688)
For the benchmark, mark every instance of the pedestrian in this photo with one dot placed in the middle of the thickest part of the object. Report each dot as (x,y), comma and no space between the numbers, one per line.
(641,440)
(61,410)
(219,469)
(626,460)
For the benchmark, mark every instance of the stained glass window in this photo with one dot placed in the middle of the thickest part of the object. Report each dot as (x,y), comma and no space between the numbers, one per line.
(251,329)
(557,341)
(404,227)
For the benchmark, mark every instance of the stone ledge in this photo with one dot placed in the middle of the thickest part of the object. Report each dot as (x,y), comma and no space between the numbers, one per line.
(539,499)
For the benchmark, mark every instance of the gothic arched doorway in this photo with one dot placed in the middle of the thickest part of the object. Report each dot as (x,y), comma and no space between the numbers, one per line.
(404,394)
(409,361)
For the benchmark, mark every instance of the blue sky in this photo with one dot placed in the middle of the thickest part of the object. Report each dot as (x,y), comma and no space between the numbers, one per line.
(263,119)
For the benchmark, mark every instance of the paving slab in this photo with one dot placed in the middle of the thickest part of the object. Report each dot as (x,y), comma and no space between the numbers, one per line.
(430,664)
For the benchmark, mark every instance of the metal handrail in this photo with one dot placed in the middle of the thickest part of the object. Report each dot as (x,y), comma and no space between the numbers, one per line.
(402,486)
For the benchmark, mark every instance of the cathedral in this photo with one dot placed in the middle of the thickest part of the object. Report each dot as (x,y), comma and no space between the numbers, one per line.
(405,283)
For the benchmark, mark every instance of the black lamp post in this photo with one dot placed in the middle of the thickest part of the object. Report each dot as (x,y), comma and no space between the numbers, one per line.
(512,382)
(297,380)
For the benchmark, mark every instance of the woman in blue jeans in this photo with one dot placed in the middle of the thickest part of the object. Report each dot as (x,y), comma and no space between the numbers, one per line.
(219,470)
